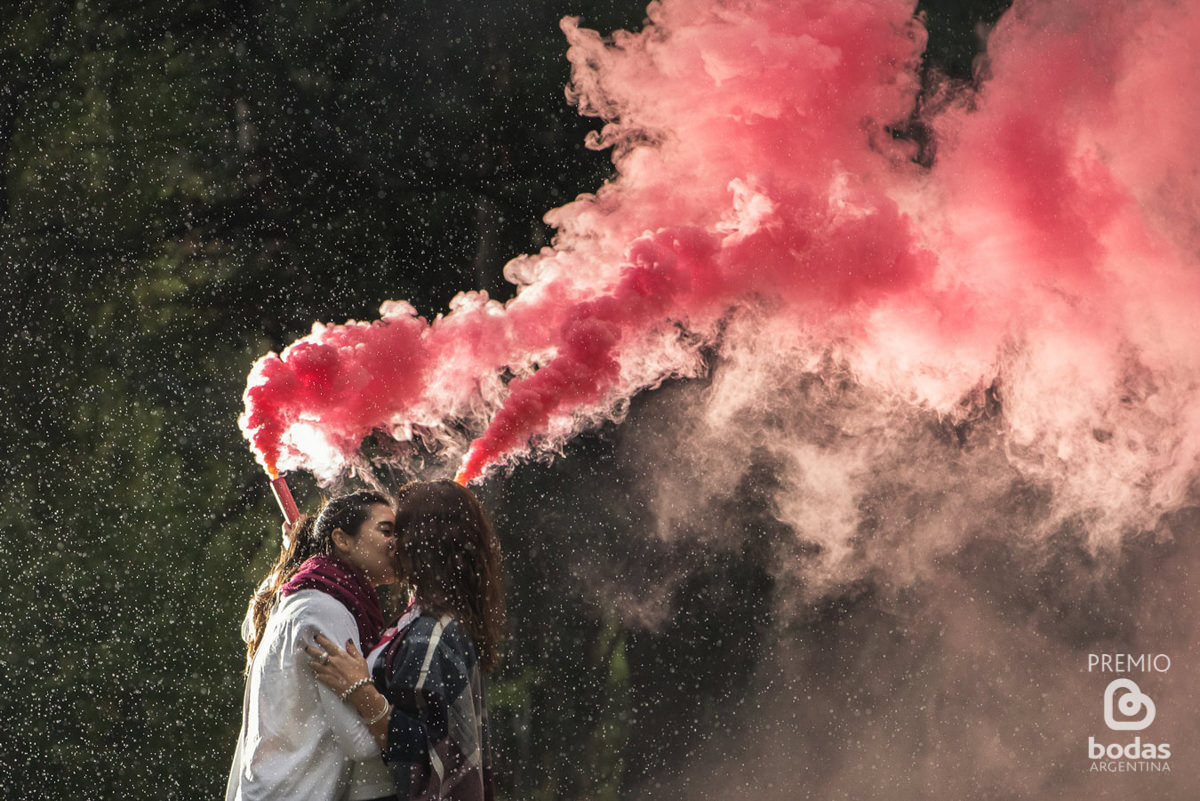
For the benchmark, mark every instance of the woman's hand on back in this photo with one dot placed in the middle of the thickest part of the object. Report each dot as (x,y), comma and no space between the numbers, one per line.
(337,669)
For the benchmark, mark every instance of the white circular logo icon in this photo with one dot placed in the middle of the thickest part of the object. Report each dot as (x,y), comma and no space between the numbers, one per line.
(1131,703)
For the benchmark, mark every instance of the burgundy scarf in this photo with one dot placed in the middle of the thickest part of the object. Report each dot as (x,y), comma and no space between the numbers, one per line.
(346,585)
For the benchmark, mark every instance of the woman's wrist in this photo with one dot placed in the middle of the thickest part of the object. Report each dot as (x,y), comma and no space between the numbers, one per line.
(367,701)
(355,687)
(375,711)
(381,714)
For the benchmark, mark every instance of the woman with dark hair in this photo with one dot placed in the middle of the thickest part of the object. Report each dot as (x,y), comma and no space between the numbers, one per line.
(426,704)
(298,740)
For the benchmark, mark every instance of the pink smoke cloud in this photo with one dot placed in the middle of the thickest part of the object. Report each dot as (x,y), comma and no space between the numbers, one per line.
(1050,250)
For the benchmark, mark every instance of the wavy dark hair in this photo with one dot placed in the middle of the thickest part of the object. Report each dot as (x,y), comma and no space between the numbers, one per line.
(449,556)
(307,537)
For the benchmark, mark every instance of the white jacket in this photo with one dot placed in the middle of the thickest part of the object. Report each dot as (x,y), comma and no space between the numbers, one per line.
(298,740)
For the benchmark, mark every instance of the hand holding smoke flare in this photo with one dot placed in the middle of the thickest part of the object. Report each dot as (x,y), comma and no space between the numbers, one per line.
(1048,252)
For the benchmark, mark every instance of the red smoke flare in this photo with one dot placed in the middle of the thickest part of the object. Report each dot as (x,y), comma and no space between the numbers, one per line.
(283,496)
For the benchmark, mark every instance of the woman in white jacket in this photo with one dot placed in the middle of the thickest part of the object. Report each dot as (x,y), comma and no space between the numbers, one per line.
(298,740)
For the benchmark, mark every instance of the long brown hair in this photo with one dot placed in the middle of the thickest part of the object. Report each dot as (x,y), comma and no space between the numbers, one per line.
(450,558)
(307,537)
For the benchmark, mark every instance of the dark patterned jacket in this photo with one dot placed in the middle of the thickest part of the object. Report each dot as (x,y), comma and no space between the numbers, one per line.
(438,745)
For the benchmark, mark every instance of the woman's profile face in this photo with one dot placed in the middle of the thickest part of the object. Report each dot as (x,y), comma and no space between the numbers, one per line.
(373,550)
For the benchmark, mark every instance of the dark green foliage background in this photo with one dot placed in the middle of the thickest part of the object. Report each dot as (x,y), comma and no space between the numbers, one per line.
(191,183)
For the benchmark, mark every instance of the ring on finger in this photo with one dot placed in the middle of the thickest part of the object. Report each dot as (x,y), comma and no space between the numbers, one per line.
(324,658)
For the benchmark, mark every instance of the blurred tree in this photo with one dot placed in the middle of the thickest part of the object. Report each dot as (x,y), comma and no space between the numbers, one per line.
(124,508)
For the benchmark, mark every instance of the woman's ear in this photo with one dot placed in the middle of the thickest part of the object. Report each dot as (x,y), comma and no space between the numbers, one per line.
(341,540)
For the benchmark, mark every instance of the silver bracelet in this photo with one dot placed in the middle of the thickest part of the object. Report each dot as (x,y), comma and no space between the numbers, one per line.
(387,708)
(356,685)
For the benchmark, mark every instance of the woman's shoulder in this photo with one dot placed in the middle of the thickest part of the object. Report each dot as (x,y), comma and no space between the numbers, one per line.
(427,622)
(445,631)
(300,615)
(312,605)
(436,651)
(447,621)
